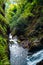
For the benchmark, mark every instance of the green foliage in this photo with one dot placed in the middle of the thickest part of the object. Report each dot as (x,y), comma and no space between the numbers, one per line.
(1,10)
(27,18)
(3,36)
(3,20)
(1,2)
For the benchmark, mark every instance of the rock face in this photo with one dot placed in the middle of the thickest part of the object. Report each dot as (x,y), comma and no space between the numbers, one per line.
(4,33)
(23,41)
(36,46)
(33,46)
(25,44)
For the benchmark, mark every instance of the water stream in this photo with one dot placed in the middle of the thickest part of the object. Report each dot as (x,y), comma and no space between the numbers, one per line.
(19,55)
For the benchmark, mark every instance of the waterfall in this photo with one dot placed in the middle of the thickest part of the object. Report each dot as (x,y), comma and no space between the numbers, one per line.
(35,58)
(19,55)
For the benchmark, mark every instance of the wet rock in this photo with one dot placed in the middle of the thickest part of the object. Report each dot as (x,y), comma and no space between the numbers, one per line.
(25,44)
(41,41)
(35,48)
(21,37)
(36,45)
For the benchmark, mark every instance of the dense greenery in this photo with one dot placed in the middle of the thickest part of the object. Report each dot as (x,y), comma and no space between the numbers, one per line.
(26,18)
(4,26)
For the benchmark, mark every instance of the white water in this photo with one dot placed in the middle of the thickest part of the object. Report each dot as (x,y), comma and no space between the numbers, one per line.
(18,55)
(35,58)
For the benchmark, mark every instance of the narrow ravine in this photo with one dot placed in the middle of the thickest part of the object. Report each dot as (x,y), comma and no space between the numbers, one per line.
(19,55)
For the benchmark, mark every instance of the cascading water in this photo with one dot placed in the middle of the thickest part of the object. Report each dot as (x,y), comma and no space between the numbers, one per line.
(35,58)
(19,55)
